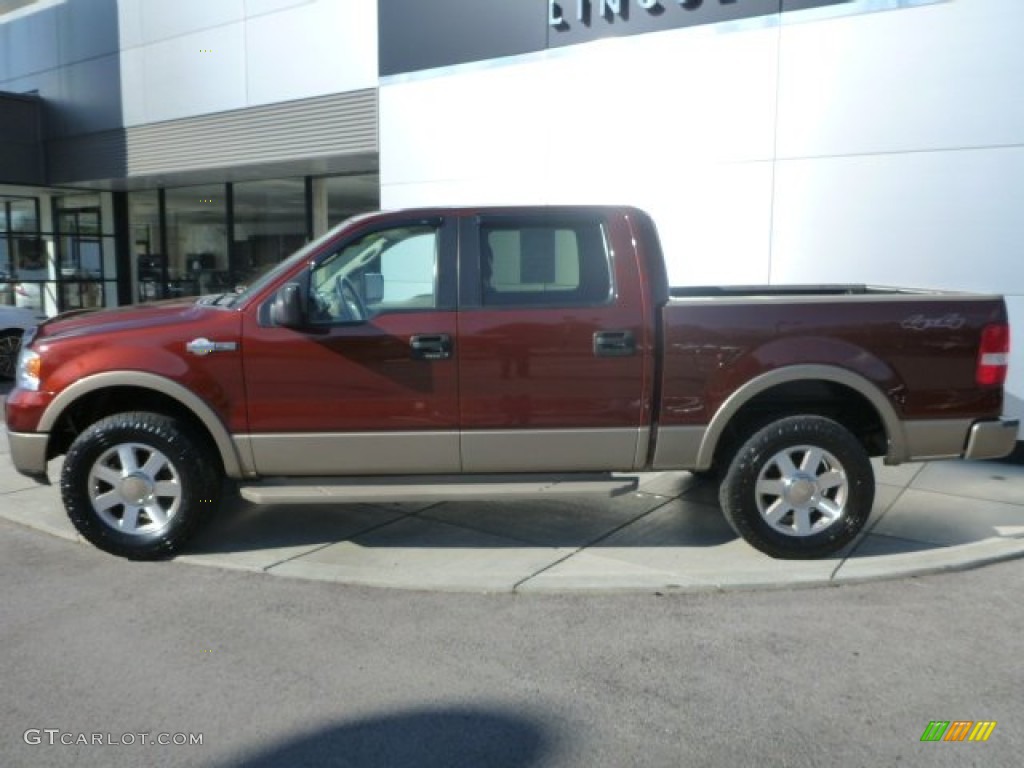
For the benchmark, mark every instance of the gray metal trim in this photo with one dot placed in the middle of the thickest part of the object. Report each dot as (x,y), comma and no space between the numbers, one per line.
(233,465)
(992,439)
(322,127)
(897,452)
(299,454)
(898,295)
(550,450)
(349,490)
(678,447)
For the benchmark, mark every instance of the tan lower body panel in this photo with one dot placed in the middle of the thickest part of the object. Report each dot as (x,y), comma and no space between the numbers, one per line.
(28,452)
(550,450)
(354,453)
(678,447)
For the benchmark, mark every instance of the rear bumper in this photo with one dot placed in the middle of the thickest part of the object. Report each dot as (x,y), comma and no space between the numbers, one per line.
(28,453)
(991,439)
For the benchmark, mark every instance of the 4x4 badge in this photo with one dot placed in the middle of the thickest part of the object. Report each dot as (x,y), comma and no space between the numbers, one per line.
(205,346)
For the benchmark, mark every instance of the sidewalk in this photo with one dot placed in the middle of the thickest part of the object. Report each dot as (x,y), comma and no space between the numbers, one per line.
(667,534)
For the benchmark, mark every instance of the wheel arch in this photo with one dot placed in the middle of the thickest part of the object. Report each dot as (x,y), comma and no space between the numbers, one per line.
(106,393)
(765,392)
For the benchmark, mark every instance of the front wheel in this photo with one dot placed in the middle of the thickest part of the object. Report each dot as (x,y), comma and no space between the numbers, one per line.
(800,488)
(139,484)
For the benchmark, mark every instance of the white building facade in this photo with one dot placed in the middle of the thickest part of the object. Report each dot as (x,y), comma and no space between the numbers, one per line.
(774,141)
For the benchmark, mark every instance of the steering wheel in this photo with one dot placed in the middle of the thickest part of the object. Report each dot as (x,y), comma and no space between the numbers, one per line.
(350,303)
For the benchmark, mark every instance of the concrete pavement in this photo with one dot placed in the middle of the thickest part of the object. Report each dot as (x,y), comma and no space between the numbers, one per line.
(665,534)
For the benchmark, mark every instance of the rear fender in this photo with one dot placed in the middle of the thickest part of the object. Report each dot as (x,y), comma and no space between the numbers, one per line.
(897,446)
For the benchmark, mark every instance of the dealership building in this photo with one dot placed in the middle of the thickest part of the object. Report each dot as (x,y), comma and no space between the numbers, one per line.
(153,149)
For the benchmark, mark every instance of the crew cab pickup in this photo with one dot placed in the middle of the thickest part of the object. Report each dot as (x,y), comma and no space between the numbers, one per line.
(498,342)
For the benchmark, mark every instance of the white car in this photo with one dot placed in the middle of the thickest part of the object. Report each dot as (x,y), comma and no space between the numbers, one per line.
(14,321)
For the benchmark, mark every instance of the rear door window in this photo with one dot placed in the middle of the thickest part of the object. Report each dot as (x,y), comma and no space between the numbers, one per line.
(532,264)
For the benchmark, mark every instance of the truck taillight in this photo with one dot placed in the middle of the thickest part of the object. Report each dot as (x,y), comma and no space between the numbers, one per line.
(993,355)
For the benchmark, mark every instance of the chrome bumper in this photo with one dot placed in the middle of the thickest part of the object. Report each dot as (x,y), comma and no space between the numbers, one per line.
(991,439)
(28,453)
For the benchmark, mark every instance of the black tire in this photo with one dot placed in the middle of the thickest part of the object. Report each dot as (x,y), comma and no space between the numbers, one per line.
(115,475)
(800,488)
(10,346)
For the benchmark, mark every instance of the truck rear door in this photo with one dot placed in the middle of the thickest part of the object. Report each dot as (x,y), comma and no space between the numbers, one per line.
(553,348)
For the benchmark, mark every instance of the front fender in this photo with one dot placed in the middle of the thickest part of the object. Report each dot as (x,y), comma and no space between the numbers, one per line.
(233,464)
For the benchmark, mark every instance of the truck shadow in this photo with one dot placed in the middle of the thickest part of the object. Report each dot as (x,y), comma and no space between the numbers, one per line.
(690,517)
(427,738)
(674,515)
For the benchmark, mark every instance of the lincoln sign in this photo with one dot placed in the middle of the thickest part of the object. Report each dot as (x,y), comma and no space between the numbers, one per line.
(584,11)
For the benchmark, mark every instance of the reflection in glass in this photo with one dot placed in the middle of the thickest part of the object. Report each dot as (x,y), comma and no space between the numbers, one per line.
(23,215)
(150,266)
(79,252)
(269,225)
(349,195)
(197,258)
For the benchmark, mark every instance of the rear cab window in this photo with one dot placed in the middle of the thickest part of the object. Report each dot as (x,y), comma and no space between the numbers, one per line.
(543,262)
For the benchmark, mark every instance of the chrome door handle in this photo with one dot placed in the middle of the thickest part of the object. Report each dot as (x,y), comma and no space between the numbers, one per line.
(614,344)
(432,346)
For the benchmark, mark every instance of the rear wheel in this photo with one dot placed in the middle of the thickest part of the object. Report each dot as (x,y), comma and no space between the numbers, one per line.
(801,487)
(139,484)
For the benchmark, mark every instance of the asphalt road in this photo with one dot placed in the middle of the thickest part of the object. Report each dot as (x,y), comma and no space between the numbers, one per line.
(276,672)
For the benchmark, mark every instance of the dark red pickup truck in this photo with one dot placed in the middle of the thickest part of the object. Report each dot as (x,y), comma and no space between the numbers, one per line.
(452,342)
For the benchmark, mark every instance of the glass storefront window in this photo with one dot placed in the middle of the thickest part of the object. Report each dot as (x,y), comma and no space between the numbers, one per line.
(6,272)
(23,215)
(80,251)
(197,241)
(349,195)
(149,264)
(23,262)
(269,225)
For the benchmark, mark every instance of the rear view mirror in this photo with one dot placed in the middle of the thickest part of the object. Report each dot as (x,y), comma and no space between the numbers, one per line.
(286,309)
(373,287)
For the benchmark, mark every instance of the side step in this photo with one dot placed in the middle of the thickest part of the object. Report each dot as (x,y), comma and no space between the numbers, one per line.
(351,490)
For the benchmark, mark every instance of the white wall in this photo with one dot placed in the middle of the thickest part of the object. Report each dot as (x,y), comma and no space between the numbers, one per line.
(184,58)
(634,120)
(838,145)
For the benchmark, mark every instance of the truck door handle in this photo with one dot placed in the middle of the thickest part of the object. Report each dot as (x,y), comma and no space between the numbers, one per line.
(614,344)
(433,346)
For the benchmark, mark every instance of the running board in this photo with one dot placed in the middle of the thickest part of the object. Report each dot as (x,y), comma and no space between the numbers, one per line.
(352,490)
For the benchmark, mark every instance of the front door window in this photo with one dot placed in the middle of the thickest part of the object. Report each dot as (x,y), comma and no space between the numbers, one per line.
(389,271)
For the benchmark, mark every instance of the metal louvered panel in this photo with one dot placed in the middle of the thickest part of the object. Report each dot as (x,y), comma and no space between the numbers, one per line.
(329,125)
(325,126)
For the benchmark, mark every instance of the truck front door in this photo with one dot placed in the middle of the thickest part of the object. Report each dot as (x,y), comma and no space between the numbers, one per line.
(368,385)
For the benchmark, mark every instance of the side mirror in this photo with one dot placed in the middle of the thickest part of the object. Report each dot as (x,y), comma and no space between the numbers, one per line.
(286,309)
(373,287)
